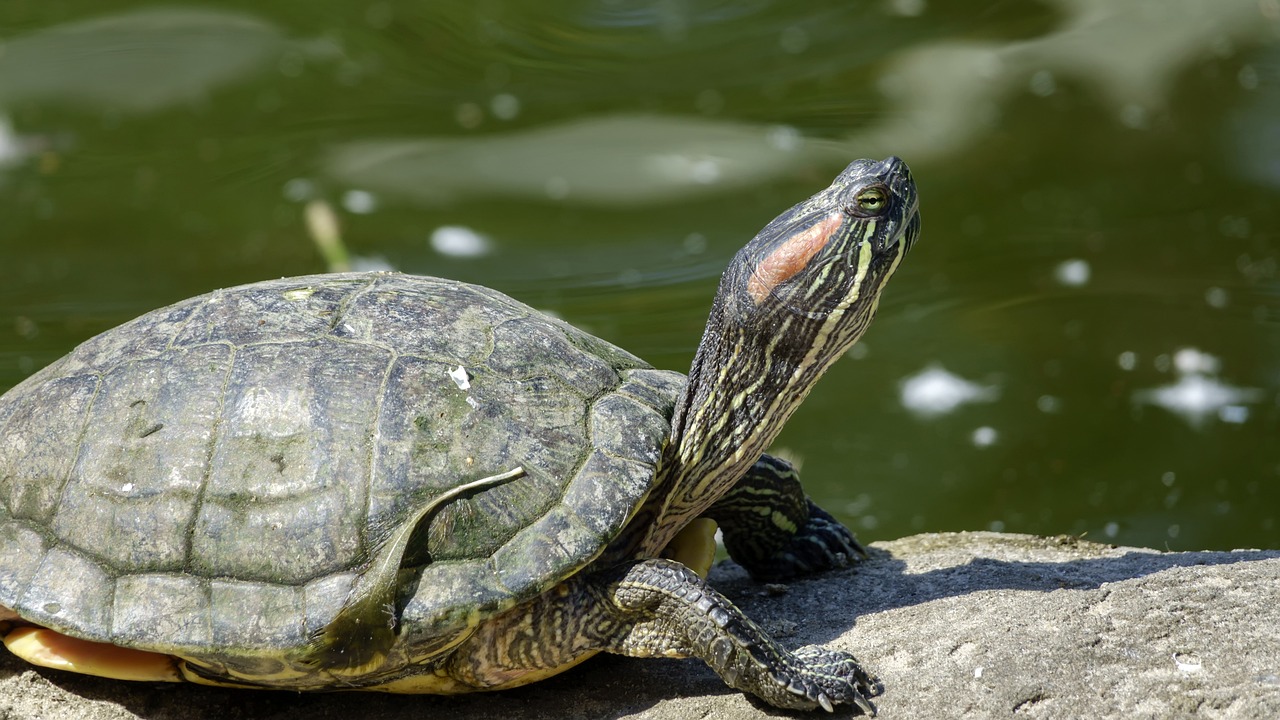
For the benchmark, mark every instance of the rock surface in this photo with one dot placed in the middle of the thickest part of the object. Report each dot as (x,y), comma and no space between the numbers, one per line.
(972,625)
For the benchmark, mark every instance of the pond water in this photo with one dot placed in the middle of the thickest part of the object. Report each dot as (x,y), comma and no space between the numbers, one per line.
(1086,340)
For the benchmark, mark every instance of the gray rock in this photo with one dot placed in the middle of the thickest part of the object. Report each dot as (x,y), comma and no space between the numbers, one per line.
(972,625)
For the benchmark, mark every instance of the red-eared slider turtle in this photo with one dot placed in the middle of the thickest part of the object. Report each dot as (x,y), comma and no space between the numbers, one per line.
(416,485)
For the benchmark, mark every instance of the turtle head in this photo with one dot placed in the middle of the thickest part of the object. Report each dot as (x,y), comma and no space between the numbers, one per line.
(793,300)
(827,258)
(804,289)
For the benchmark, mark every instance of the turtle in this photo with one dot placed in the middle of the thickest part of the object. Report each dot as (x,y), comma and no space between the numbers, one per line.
(408,484)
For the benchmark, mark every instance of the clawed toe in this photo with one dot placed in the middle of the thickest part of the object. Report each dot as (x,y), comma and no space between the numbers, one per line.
(829,677)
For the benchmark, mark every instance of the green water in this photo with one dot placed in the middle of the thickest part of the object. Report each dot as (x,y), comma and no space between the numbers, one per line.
(1096,287)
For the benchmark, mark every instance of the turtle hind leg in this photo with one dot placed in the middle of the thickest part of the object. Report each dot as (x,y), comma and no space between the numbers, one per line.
(774,531)
(51,649)
(654,608)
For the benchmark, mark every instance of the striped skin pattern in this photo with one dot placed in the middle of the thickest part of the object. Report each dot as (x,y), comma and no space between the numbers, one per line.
(774,531)
(760,358)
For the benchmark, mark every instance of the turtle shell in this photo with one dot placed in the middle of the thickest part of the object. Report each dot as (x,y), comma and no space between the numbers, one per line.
(209,479)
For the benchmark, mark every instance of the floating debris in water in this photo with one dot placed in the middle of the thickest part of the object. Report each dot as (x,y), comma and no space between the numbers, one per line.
(505,106)
(1072,273)
(985,436)
(1197,398)
(1048,404)
(1191,360)
(459,241)
(299,190)
(934,391)
(1198,395)
(359,202)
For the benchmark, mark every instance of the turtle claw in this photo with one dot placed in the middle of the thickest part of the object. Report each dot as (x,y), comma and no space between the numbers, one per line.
(835,539)
(858,548)
(834,678)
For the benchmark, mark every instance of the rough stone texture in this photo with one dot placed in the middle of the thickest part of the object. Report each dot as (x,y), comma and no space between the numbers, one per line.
(976,625)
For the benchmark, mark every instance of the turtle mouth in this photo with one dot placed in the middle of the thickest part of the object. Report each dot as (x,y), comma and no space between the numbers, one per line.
(907,230)
(907,238)
(897,176)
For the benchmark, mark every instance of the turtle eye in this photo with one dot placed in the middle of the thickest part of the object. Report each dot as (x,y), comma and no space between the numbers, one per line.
(869,201)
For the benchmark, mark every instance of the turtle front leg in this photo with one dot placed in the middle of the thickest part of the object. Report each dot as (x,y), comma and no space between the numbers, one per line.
(772,529)
(656,608)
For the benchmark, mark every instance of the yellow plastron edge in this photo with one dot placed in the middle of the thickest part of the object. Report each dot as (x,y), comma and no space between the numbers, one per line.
(51,649)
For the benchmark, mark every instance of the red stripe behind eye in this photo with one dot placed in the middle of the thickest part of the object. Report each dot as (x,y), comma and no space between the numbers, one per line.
(791,256)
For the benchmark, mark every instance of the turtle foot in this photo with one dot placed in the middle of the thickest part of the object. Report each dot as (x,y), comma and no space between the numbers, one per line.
(826,678)
(664,609)
(821,544)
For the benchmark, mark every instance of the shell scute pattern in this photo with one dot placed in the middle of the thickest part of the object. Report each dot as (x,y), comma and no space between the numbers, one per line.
(655,388)
(291,460)
(162,609)
(42,418)
(435,435)
(268,613)
(278,312)
(447,322)
(131,473)
(603,492)
(66,585)
(527,348)
(145,336)
(21,550)
(614,430)
(269,437)
(322,598)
